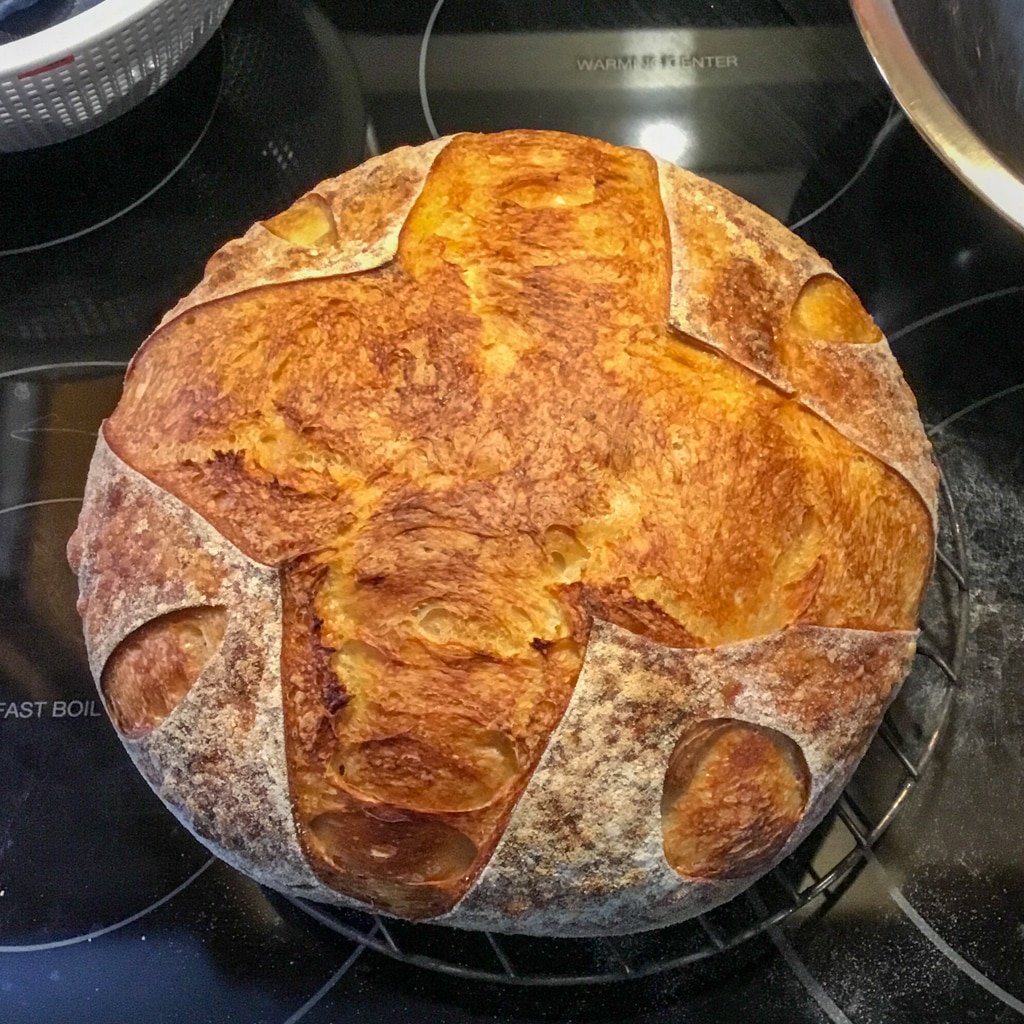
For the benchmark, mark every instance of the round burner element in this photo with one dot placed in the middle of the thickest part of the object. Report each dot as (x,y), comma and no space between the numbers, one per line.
(289,114)
(65,190)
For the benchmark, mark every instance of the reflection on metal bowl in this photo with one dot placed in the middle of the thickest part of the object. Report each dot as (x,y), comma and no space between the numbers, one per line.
(956,69)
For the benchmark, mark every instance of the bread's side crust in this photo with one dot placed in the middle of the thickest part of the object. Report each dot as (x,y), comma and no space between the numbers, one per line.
(582,853)
(218,759)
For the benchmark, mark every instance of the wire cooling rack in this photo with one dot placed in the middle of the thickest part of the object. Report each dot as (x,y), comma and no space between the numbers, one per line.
(814,873)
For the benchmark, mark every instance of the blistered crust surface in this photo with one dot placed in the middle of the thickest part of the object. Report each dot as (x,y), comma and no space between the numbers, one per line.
(736,275)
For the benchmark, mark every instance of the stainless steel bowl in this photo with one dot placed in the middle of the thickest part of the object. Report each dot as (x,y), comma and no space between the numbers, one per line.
(957,68)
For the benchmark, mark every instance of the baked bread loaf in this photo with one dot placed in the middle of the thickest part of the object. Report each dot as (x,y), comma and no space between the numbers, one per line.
(518,532)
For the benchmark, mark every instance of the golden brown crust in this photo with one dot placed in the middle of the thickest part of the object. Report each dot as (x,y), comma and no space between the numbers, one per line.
(583,854)
(737,276)
(466,401)
(130,557)
(217,758)
(732,797)
(153,668)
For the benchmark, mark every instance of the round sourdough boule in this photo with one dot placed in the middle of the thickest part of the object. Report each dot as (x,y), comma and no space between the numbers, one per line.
(518,532)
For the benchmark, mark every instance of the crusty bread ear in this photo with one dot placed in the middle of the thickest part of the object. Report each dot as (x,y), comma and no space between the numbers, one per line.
(153,667)
(216,757)
(360,216)
(517,532)
(747,287)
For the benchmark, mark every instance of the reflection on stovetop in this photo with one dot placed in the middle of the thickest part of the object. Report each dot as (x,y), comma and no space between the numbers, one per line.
(108,909)
(746,93)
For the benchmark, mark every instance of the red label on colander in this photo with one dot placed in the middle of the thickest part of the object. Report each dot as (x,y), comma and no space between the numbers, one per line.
(63,62)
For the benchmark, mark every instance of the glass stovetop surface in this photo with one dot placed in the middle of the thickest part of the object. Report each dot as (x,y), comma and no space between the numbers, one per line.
(109,910)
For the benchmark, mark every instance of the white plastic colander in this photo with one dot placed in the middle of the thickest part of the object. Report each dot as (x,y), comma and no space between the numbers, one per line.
(67,79)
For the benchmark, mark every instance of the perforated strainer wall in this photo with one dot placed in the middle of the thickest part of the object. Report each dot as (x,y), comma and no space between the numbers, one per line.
(108,73)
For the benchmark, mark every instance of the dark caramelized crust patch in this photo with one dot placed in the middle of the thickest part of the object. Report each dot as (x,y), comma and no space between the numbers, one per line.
(616,603)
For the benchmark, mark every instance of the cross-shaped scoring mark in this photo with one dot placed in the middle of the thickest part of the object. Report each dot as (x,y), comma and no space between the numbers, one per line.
(462,457)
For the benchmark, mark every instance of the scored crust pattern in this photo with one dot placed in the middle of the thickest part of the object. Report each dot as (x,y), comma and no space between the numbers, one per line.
(533,452)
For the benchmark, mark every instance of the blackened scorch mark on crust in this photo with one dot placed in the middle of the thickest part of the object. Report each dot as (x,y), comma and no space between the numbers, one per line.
(332,690)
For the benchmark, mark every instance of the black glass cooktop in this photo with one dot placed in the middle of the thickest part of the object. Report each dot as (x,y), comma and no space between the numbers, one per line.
(110,912)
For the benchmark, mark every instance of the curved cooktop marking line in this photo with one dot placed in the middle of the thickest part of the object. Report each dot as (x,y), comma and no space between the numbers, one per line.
(422,75)
(973,407)
(955,308)
(22,433)
(964,965)
(803,974)
(40,367)
(32,504)
(893,118)
(156,188)
(813,987)
(331,981)
(111,927)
